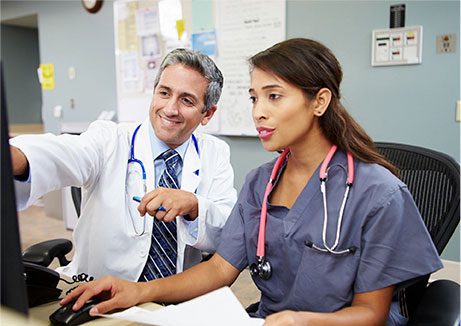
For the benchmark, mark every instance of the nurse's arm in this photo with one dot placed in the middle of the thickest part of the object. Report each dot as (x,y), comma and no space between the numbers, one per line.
(118,293)
(368,308)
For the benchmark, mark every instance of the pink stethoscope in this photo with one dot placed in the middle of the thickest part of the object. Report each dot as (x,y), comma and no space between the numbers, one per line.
(262,266)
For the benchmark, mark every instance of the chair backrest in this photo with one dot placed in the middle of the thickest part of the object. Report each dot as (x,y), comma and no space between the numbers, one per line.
(433,180)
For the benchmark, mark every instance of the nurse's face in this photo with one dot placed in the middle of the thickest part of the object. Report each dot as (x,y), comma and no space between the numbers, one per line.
(177,104)
(282,115)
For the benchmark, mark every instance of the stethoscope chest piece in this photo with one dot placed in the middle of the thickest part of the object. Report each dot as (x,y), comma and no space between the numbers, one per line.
(261,268)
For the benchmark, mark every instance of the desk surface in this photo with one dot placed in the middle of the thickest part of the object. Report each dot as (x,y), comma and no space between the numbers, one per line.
(40,315)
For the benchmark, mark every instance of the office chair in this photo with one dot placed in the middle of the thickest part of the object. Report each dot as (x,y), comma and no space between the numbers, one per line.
(43,253)
(433,179)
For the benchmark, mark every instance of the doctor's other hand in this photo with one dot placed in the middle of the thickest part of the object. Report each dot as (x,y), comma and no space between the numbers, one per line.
(285,318)
(175,201)
(115,292)
(19,161)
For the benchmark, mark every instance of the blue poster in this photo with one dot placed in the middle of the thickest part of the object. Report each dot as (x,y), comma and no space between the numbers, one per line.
(204,42)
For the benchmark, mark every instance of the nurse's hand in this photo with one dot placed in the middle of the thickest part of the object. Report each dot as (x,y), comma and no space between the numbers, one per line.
(175,201)
(286,317)
(118,294)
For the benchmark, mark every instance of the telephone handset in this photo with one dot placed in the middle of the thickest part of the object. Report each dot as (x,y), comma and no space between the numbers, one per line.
(41,284)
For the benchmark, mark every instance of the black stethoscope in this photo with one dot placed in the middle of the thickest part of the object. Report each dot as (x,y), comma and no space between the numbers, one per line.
(135,161)
(262,266)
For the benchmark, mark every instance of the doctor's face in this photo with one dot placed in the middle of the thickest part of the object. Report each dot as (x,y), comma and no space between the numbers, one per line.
(177,104)
(282,115)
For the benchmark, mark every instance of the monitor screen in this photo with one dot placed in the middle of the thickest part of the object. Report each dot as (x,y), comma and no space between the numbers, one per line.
(13,287)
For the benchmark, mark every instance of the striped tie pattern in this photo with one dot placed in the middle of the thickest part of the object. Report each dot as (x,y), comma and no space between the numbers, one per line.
(163,250)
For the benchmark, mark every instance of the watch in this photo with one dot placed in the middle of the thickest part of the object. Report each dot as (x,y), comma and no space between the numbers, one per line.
(92,6)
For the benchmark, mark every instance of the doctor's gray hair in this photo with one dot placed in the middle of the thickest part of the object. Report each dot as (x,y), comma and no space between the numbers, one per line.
(203,65)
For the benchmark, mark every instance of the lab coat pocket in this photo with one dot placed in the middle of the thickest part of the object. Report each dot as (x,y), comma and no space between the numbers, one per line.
(325,281)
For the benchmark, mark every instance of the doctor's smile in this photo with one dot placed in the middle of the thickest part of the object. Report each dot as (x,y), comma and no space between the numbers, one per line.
(169,122)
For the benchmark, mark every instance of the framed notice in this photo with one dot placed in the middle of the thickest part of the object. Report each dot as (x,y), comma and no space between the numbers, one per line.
(397,46)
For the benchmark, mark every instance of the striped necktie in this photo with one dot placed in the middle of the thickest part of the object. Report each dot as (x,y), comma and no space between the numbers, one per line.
(163,250)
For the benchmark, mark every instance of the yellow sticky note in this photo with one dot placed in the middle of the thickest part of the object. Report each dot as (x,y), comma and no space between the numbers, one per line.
(180,27)
(47,70)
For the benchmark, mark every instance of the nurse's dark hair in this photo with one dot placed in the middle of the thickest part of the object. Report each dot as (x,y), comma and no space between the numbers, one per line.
(311,66)
(200,63)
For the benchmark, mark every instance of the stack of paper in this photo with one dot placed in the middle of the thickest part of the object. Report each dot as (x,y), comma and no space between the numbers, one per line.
(219,307)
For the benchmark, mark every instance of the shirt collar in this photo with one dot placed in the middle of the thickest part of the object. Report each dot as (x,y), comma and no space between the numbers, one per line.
(158,146)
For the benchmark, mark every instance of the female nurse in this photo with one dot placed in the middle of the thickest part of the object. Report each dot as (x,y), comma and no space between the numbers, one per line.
(341,230)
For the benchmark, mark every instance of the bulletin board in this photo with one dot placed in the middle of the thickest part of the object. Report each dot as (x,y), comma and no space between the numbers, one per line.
(146,30)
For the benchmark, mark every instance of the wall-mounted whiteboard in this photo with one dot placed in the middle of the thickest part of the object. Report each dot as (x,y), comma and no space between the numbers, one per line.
(229,31)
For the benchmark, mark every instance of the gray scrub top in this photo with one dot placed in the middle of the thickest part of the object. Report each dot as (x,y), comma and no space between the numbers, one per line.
(381,220)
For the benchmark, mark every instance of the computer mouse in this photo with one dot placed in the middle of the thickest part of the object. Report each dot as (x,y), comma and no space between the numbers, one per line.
(66,316)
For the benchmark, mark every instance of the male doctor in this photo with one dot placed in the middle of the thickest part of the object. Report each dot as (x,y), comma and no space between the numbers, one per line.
(183,179)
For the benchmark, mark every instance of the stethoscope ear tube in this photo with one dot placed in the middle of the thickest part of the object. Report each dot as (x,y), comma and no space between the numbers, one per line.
(350,250)
(260,252)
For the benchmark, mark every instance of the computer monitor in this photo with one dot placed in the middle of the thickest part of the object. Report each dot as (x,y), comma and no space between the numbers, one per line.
(13,286)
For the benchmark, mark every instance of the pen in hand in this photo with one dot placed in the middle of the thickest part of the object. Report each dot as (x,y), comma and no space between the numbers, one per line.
(138,199)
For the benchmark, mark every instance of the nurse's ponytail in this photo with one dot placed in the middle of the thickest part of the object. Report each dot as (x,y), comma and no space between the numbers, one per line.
(311,66)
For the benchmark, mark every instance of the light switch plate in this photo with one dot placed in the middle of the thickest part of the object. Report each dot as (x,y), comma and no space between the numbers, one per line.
(446,43)
(458,111)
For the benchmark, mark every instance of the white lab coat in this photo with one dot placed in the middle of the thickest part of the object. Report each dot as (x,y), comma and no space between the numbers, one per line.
(104,238)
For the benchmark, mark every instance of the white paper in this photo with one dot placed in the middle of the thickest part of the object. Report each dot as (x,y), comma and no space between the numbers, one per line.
(147,21)
(242,33)
(219,307)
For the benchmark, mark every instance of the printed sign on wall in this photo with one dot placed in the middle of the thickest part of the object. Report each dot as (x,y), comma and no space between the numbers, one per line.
(46,76)
(397,46)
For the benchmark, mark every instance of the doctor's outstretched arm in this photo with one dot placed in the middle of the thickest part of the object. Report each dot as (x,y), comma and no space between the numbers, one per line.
(118,293)
(19,161)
